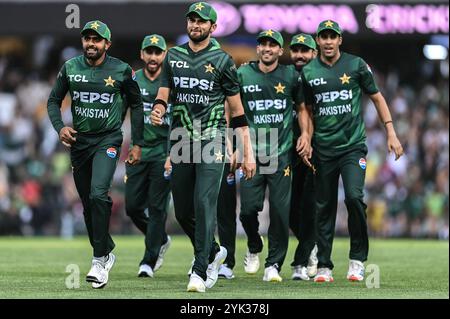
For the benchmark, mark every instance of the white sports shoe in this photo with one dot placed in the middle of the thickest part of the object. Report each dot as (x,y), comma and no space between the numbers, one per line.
(225,272)
(99,273)
(196,283)
(145,271)
(162,252)
(271,274)
(192,265)
(300,273)
(355,270)
(251,263)
(312,262)
(212,272)
(324,275)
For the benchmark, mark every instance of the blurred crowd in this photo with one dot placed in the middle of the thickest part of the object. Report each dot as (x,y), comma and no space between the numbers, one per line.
(405,198)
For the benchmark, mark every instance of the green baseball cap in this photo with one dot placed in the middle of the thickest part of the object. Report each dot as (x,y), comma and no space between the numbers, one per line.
(98,27)
(303,39)
(271,34)
(154,40)
(329,25)
(204,10)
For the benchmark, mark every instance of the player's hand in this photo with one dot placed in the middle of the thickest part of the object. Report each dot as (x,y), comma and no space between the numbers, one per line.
(134,155)
(249,166)
(394,145)
(234,165)
(67,136)
(156,116)
(167,165)
(303,145)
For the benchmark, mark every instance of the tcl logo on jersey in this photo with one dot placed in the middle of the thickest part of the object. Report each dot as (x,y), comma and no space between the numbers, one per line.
(262,105)
(179,64)
(317,82)
(144,92)
(251,88)
(77,78)
(190,83)
(333,95)
(92,97)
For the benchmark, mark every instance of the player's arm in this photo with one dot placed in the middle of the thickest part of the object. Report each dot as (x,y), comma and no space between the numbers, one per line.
(306,127)
(162,98)
(231,154)
(305,121)
(384,114)
(57,95)
(134,101)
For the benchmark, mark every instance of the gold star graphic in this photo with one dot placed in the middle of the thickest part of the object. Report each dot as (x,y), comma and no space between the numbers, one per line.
(287,171)
(95,25)
(109,81)
(301,39)
(280,88)
(269,32)
(345,79)
(199,6)
(154,40)
(209,68)
(328,24)
(219,156)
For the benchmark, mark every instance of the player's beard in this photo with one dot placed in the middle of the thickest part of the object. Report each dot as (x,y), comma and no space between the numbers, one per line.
(96,53)
(153,68)
(199,38)
(267,62)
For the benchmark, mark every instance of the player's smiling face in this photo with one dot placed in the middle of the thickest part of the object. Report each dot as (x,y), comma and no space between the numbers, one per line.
(94,46)
(153,58)
(329,42)
(301,55)
(199,29)
(268,51)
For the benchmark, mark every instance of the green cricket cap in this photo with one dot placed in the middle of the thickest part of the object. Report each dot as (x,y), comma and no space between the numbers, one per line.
(303,39)
(271,34)
(154,40)
(204,10)
(98,27)
(329,25)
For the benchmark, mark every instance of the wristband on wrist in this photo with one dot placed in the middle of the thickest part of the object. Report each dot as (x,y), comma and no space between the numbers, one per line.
(239,121)
(387,122)
(160,102)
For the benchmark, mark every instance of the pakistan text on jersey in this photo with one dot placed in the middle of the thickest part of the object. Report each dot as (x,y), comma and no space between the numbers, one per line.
(192,98)
(268,118)
(92,113)
(335,110)
(93,97)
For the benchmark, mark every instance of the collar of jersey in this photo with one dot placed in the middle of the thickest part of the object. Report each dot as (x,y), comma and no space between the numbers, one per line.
(335,63)
(201,51)
(255,66)
(97,66)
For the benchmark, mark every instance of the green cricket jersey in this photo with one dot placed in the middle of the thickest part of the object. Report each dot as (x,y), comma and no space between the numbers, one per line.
(269,100)
(335,94)
(155,137)
(98,95)
(199,83)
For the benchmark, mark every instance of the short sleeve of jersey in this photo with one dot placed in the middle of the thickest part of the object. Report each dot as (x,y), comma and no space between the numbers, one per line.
(229,80)
(297,91)
(166,73)
(307,90)
(367,81)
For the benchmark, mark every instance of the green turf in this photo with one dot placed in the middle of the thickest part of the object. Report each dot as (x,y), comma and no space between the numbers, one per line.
(35,268)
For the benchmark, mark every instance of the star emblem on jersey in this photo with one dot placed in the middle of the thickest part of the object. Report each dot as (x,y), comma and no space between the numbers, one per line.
(328,24)
(95,25)
(199,6)
(269,33)
(209,68)
(345,79)
(154,40)
(219,156)
(287,171)
(280,88)
(301,39)
(109,81)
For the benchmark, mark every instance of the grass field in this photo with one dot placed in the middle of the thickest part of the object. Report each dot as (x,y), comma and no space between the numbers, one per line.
(36,268)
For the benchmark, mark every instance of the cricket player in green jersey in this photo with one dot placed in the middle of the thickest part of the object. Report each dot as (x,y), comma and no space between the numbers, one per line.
(97,83)
(199,77)
(146,187)
(302,220)
(269,91)
(334,84)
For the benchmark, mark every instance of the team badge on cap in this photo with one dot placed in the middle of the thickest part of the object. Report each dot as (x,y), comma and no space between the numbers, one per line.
(111,152)
(362,163)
